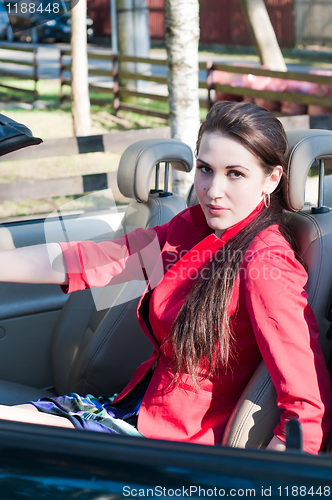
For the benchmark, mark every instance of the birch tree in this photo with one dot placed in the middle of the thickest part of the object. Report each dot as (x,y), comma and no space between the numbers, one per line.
(79,71)
(182,37)
(263,35)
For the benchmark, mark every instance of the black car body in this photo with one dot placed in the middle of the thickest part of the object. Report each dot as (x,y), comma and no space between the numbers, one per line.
(64,464)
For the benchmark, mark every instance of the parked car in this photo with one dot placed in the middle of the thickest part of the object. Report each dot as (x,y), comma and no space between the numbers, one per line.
(42,20)
(4,21)
(43,333)
(59,29)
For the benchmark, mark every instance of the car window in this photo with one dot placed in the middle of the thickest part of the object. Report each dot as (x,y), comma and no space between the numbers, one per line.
(55,182)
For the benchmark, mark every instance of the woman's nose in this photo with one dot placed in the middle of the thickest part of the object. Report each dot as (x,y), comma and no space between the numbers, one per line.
(216,187)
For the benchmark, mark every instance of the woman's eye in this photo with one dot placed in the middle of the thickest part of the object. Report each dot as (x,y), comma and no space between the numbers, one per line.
(204,169)
(235,174)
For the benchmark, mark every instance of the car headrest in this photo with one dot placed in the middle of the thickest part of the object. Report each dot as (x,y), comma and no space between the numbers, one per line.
(140,158)
(305,146)
(14,136)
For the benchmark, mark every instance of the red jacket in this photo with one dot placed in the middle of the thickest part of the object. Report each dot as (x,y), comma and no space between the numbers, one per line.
(269,313)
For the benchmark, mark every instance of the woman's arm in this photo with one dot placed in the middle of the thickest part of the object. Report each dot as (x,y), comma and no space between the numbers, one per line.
(34,264)
(86,264)
(135,256)
(288,338)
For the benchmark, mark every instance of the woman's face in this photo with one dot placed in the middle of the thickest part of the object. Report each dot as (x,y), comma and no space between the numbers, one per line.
(229,181)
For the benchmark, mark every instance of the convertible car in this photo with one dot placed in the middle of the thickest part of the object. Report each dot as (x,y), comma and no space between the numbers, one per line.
(51,343)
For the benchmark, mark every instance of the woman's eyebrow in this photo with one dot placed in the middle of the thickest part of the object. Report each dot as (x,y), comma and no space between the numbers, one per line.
(204,162)
(237,166)
(229,167)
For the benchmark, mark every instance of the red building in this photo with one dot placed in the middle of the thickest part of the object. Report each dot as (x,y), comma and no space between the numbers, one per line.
(221,21)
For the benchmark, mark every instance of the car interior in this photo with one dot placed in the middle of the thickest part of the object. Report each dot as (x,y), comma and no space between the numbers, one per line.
(52,343)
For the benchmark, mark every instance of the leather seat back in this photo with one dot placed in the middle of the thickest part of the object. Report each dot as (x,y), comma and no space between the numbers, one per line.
(97,343)
(256,413)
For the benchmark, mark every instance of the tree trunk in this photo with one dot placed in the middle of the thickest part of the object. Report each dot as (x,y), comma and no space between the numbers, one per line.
(182,37)
(79,71)
(263,35)
(134,38)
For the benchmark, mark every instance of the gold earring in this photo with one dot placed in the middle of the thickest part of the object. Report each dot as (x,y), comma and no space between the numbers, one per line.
(267,200)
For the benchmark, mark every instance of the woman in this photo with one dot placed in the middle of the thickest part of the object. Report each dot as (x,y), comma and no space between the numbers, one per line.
(220,304)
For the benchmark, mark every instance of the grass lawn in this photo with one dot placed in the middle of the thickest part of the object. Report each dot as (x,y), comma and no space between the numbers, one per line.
(48,120)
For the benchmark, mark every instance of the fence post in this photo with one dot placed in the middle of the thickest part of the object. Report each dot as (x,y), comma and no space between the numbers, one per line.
(61,77)
(115,74)
(35,72)
(209,82)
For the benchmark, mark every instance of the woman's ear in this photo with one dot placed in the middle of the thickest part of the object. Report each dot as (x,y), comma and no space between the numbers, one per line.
(273,179)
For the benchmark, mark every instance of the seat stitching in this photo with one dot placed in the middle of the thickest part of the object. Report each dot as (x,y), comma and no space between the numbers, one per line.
(240,430)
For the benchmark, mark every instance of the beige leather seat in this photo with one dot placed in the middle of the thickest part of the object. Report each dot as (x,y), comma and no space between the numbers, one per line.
(96,351)
(256,413)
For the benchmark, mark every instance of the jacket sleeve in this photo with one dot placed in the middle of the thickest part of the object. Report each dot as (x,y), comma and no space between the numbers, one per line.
(136,256)
(287,335)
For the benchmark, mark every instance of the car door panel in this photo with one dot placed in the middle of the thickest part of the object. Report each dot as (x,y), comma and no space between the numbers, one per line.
(25,347)
(28,313)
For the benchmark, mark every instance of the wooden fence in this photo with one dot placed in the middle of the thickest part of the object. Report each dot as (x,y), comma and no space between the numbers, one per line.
(22,75)
(295,97)
(69,146)
(118,92)
(115,75)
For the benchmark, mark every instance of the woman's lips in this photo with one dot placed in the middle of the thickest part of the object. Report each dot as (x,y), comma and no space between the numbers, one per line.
(216,209)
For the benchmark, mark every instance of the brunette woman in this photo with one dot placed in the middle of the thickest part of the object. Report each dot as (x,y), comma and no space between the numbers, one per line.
(232,291)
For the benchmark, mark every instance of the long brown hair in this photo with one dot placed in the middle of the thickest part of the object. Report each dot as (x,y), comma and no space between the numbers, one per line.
(201,336)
